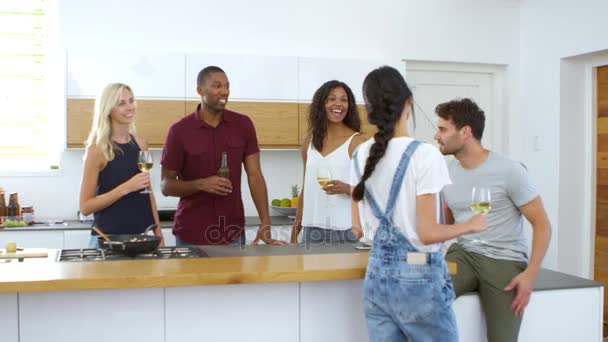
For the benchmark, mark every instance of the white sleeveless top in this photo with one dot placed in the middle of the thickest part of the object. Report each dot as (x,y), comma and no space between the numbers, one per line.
(320,209)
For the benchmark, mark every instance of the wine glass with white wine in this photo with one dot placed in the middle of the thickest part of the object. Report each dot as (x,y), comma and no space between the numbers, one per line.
(324,176)
(145,163)
(481,201)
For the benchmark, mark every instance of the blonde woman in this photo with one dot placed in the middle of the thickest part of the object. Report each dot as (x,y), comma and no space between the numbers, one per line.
(111,181)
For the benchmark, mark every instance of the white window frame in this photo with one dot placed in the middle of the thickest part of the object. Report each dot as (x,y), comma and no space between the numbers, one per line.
(55,66)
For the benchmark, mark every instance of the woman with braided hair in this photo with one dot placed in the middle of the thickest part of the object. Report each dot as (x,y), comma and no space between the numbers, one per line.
(407,291)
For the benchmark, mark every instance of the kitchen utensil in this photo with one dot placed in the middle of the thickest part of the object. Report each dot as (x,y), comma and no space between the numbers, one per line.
(102,234)
(25,253)
(131,244)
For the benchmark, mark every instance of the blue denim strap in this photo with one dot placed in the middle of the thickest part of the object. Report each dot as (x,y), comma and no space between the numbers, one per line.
(385,218)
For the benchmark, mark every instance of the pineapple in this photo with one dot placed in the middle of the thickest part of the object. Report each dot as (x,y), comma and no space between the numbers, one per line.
(295,192)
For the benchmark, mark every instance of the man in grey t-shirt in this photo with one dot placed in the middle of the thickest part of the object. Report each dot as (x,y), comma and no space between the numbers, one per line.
(494,262)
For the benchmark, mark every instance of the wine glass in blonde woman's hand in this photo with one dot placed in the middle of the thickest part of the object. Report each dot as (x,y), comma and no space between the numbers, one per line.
(145,163)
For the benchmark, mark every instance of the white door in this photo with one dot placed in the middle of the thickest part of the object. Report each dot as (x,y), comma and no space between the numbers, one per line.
(434,83)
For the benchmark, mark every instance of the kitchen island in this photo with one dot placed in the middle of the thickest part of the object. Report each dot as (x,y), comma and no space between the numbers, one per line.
(259,293)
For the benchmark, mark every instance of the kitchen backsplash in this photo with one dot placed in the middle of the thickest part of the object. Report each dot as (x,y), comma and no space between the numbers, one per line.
(56,195)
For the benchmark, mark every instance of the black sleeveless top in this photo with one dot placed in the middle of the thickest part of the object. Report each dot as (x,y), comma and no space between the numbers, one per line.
(131,214)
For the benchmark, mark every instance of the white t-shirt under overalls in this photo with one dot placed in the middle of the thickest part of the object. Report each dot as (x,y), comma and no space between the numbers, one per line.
(427,174)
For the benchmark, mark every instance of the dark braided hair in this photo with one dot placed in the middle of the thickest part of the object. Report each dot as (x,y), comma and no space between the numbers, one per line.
(317,117)
(385,93)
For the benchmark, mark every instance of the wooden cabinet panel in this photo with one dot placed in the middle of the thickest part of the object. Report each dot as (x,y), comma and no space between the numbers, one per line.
(602,176)
(602,125)
(602,160)
(154,117)
(276,123)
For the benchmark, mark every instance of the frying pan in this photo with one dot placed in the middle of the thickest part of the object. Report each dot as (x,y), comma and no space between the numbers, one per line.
(131,244)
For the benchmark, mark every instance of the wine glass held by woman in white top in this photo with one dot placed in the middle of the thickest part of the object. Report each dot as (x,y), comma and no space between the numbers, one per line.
(111,180)
(333,134)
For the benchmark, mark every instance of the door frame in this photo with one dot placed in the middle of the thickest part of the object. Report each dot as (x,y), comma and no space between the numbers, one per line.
(578,94)
(499,107)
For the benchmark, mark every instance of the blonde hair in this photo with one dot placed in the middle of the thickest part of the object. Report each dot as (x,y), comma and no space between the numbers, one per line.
(101,130)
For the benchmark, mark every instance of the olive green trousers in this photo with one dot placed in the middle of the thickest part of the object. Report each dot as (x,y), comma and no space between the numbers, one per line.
(489,276)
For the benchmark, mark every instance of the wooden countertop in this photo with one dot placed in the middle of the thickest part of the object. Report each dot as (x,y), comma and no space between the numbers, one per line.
(47,275)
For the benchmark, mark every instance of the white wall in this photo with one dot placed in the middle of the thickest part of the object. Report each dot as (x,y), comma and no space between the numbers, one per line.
(479,31)
(550,31)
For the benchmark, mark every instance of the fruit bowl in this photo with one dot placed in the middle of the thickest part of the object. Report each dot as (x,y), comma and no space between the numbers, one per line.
(12,221)
(285,211)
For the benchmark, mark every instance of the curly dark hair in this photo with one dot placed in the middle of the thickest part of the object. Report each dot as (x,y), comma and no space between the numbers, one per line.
(463,112)
(385,93)
(317,118)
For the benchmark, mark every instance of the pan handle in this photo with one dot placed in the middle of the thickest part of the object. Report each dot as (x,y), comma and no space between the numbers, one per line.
(152,226)
(115,243)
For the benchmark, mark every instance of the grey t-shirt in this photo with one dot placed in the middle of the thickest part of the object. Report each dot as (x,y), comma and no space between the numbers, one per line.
(510,187)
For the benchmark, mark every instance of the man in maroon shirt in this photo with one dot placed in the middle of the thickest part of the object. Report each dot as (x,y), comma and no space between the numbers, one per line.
(210,209)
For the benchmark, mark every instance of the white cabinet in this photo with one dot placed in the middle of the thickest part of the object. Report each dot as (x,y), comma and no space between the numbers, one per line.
(252,78)
(332,311)
(313,72)
(244,312)
(9,323)
(33,238)
(94,315)
(149,74)
(76,239)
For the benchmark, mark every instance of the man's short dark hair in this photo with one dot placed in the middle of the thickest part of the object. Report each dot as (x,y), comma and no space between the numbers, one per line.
(202,75)
(463,112)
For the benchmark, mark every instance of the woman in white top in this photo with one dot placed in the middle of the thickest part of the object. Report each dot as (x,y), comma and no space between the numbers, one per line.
(407,290)
(333,134)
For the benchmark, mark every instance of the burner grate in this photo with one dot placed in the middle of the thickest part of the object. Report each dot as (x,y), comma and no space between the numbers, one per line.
(92,254)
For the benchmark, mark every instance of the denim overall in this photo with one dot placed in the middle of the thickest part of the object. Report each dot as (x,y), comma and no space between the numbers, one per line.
(405,301)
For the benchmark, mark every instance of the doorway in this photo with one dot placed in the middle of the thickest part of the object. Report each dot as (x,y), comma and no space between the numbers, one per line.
(601,196)
(436,82)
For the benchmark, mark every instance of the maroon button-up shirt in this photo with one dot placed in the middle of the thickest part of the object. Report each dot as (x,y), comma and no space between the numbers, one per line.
(193,149)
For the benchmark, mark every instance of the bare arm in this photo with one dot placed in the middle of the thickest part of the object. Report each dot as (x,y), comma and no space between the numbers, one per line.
(94,162)
(429,231)
(158,232)
(534,212)
(356,222)
(297,226)
(259,194)
(171,185)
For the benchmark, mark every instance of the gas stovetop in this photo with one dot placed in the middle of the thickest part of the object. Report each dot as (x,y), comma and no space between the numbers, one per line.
(92,254)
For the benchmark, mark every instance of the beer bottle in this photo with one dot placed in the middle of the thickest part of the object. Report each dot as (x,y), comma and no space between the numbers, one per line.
(13,205)
(3,208)
(223,171)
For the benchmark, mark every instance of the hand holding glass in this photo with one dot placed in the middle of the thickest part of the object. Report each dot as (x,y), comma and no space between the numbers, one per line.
(145,163)
(481,202)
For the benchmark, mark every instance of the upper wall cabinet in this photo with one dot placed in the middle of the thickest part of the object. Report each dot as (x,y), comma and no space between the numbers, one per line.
(313,72)
(157,75)
(252,78)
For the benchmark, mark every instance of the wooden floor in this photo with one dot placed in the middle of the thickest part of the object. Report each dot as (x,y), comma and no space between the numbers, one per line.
(601,271)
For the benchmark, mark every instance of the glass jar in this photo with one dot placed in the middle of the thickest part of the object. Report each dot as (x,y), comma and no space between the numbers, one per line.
(28,214)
